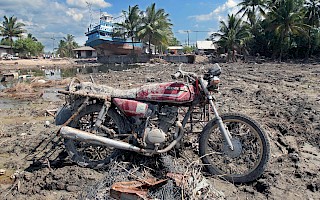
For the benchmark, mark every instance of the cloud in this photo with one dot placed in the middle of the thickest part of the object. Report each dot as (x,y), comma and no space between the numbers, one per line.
(74,14)
(84,3)
(227,7)
(46,19)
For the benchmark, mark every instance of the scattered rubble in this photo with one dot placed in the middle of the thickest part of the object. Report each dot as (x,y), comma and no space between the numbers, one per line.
(2,171)
(282,97)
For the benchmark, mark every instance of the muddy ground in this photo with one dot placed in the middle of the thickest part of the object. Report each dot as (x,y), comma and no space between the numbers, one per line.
(283,97)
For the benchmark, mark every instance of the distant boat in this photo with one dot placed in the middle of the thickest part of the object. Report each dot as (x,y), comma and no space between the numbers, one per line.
(104,39)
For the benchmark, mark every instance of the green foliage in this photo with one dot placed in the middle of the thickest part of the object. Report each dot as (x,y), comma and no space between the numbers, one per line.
(188,49)
(10,29)
(5,41)
(251,9)
(66,46)
(286,20)
(174,41)
(152,26)
(233,35)
(279,29)
(131,23)
(155,27)
(28,47)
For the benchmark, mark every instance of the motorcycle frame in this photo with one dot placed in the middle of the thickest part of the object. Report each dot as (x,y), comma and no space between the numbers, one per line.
(107,102)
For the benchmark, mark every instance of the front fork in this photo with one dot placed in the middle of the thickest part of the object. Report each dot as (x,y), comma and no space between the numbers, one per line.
(225,133)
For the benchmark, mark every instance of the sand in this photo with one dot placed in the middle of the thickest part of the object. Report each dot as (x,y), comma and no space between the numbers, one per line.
(34,63)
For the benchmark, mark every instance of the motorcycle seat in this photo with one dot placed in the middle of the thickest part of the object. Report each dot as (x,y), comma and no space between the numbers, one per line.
(112,92)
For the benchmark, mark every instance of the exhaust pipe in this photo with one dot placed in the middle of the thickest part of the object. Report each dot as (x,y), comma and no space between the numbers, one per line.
(83,136)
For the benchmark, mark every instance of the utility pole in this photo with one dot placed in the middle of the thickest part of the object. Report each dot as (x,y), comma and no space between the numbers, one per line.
(53,39)
(188,37)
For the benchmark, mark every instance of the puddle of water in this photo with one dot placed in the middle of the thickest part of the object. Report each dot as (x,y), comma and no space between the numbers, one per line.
(52,74)
(51,94)
(58,74)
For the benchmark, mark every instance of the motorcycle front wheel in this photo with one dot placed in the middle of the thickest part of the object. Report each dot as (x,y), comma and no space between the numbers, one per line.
(90,155)
(251,151)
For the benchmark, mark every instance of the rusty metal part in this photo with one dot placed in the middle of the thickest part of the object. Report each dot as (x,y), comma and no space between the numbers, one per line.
(86,94)
(133,189)
(76,134)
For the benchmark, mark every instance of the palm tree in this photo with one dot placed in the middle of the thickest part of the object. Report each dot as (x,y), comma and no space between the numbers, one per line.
(131,23)
(155,27)
(286,20)
(312,18)
(70,44)
(61,48)
(67,45)
(11,28)
(232,35)
(252,8)
(32,37)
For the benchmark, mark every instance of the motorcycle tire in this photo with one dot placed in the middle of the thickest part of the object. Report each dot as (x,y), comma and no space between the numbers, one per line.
(251,151)
(87,155)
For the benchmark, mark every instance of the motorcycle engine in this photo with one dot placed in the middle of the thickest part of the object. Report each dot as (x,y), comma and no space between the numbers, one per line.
(158,125)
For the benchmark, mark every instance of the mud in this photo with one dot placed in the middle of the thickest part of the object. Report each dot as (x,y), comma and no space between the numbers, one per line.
(283,97)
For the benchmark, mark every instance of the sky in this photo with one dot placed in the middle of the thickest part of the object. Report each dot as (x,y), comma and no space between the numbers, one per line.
(51,20)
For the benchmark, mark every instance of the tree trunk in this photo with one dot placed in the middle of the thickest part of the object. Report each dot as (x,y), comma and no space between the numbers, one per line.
(132,45)
(281,47)
(309,45)
(149,46)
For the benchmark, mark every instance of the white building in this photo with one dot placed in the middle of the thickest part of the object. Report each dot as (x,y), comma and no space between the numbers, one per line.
(85,52)
(206,47)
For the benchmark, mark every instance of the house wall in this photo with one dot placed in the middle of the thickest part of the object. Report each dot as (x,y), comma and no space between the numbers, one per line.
(87,54)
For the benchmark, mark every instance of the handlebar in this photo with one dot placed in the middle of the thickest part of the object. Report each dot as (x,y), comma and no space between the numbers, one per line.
(180,74)
(214,71)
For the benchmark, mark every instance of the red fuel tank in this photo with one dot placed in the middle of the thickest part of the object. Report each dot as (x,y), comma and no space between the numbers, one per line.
(171,92)
(131,107)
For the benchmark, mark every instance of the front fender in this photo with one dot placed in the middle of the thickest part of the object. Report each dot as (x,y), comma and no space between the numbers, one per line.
(63,114)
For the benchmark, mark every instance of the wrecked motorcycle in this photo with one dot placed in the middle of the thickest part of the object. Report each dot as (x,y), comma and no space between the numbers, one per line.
(97,120)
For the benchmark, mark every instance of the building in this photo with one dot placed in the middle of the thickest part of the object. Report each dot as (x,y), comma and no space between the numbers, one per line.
(205,47)
(176,50)
(4,50)
(85,52)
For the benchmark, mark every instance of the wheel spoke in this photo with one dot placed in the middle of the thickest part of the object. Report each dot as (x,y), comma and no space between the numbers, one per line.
(249,157)
(90,154)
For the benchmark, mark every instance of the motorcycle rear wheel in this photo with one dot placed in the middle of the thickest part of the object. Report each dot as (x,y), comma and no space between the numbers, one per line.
(251,154)
(89,155)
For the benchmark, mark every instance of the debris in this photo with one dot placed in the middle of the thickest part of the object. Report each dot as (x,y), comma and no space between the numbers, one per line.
(12,75)
(28,176)
(178,178)
(133,189)
(15,175)
(41,81)
(23,134)
(150,79)
(25,77)
(52,112)
(2,171)
(47,124)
